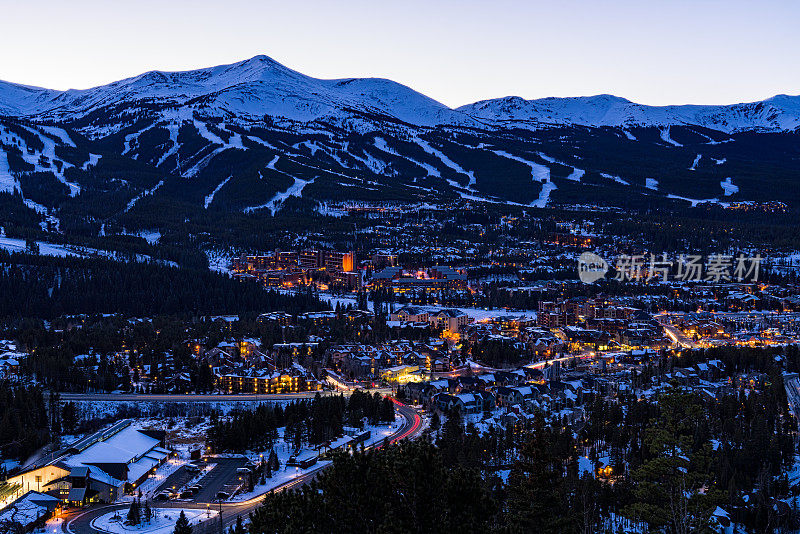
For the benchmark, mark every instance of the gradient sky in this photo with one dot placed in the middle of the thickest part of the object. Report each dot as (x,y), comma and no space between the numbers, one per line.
(653,52)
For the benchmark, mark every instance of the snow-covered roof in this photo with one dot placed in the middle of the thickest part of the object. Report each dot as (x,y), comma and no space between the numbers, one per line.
(126,446)
(29,508)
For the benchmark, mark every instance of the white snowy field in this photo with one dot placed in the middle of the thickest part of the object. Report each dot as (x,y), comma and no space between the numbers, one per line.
(163,521)
(52,249)
(728,187)
(46,249)
(218,261)
(478,314)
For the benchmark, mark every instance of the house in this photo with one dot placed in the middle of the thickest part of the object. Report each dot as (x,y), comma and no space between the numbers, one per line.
(277,317)
(401,373)
(265,381)
(510,396)
(415,392)
(466,403)
(410,314)
(318,318)
(449,319)
(99,467)
(9,363)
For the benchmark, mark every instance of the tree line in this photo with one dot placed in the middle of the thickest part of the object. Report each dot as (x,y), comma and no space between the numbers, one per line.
(313,422)
(47,287)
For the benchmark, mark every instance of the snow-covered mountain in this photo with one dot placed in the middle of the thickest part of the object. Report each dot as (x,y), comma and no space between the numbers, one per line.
(248,89)
(261,86)
(253,137)
(779,113)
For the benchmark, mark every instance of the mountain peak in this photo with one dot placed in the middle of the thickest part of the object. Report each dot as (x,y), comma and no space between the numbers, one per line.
(259,86)
(781,112)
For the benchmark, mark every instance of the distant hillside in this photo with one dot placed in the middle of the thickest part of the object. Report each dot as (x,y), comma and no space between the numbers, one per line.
(222,146)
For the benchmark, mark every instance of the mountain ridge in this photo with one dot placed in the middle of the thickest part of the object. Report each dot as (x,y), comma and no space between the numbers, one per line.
(251,88)
(254,138)
(263,86)
(777,113)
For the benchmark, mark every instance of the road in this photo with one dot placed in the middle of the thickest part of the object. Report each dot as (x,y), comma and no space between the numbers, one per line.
(191,397)
(172,397)
(80,522)
(679,337)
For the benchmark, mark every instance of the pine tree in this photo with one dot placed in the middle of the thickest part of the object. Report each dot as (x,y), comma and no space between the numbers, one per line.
(69,417)
(387,410)
(134,515)
(182,526)
(148,512)
(272,462)
(436,422)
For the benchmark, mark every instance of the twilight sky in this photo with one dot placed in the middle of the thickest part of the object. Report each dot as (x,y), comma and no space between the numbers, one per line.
(650,51)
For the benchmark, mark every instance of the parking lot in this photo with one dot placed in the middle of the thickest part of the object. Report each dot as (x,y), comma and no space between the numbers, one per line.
(177,480)
(222,476)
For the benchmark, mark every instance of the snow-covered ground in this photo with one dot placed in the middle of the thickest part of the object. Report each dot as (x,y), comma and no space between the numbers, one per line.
(275,203)
(286,474)
(44,159)
(728,188)
(576,173)
(163,521)
(8,183)
(695,201)
(380,144)
(218,261)
(294,190)
(544,194)
(50,249)
(151,236)
(665,136)
(778,112)
(478,314)
(210,197)
(282,476)
(447,161)
(137,198)
(615,178)
(539,173)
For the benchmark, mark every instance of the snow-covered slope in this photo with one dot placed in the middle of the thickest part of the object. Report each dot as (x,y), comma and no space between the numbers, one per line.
(256,137)
(781,112)
(261,86)
(247,89)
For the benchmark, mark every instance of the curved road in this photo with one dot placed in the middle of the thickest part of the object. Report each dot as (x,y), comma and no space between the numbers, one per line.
(80,522)
(211,397)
